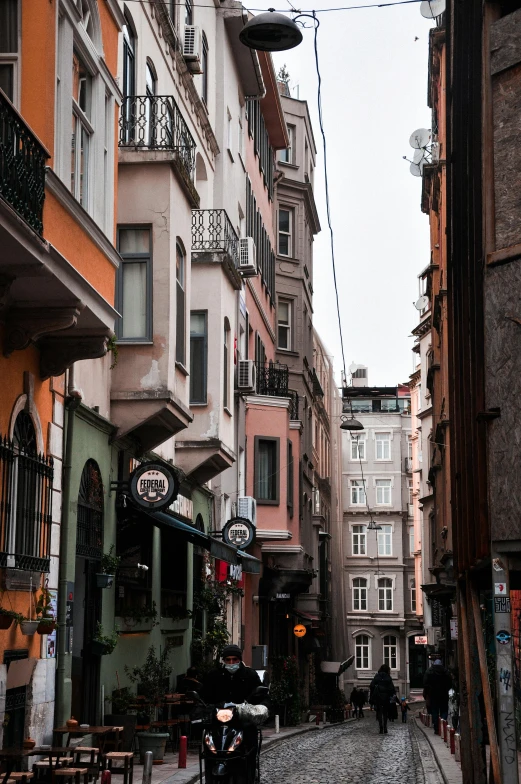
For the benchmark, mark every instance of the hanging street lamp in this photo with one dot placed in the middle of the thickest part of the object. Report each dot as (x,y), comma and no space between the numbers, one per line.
(271,32)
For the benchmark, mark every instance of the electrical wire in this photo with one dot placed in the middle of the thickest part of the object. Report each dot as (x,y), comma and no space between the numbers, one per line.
(286,11)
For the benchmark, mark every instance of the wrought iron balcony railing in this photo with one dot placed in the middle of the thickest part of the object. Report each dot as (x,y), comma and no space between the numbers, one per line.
(293,404)
(272,379)
(154,122)
(212,231)
(25,508)
(22,166)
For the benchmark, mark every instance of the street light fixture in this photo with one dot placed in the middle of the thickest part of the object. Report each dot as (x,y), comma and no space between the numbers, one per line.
(271,32)
(350,423)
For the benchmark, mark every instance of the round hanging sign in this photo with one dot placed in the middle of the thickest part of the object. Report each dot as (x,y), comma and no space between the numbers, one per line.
(239,532)
(153,486)
(299,630)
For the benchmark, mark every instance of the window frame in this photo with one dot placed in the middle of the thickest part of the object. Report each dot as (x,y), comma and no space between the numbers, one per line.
(412,588)
(356,443)
(204,339)
(290,493)
(359,539)
(388,651)
(385,594)
(226,364)
(180,297)
(205,65)
(288,234)
(383,487)
(287,326)
(359,485)
(257,441)
(379,440)
(360,596)
(12,60)
(133,258)
(385,541)
(359,652)
(289,151)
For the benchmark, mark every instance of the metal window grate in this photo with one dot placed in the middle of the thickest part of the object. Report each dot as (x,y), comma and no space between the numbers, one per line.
(89,537)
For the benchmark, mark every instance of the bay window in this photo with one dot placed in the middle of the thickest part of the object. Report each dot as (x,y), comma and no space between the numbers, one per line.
(134,284)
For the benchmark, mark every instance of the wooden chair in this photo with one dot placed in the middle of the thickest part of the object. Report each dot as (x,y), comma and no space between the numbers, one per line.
(126,770)
(113,740)
(70,776)
(21,778)
(88,757)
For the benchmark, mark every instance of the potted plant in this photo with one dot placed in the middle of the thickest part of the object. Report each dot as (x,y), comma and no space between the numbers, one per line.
(152,679)
(103,644)
(28,626)
(109,567)
(45,612)
(142,614)
(122,701)
(8,616)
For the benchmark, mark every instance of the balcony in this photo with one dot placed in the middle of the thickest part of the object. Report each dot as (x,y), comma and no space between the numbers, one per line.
(22,166)
(154,124)
(407,467)
(272,379)
(214,240)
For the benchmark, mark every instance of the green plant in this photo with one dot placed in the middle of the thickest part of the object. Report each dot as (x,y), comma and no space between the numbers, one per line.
(18,617)
(108,640)
(176,613)
(110,562)
(152,677)
(112,346)
(284,687)
(141,614)
(44,608)
(121,700)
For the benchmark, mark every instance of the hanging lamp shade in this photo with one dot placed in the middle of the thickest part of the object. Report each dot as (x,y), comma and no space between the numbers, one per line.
(350,423)
(270,32)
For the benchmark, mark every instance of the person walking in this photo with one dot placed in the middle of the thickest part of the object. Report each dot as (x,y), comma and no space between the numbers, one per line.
(436,685)
(404,707)
(393,708)
(353,699)
(381,691)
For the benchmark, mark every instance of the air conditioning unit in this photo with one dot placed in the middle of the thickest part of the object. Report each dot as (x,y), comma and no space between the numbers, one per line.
(192,48)
(246,375)
(247,257)
(247,507)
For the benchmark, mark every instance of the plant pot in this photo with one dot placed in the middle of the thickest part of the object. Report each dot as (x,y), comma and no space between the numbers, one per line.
(29,627)
(5,621)
(44,627)
(104,580)
(154,742)
(126,720)
(99,648)
(72,723)
(29,743)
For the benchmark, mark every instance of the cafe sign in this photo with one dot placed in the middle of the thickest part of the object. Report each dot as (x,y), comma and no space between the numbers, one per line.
(153,486)
(239,532)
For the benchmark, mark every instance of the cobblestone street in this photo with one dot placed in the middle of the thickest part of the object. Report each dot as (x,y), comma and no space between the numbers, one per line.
(353,752)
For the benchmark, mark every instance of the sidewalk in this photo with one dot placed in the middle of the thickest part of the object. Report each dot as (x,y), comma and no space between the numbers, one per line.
(449,768)
(170,773)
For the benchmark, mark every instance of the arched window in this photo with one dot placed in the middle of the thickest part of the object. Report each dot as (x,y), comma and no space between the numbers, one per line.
(385,594)
(89,537)
(129,80)
(151,107)
(362,652)
(391,651)
(180,351)
(359,593)
(226,363)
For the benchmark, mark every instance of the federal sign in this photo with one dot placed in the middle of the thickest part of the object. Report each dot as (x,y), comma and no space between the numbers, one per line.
(153,486)
(239,532)
(420,640)
(299,630)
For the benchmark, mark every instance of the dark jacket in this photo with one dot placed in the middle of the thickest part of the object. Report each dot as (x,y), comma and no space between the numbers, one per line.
(381,689)
(190,684)
(436,684)
(357,698)
(222,686)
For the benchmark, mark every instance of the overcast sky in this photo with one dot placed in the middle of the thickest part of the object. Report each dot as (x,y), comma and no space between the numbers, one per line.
(374,94)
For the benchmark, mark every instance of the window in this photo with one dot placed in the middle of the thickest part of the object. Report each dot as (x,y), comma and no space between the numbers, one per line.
(290,499)
(266,462)
(285,232)
(362,652)
(229,133)
(129,76)
(410,488)
(359,593)
(189,12)
(81,130)
(204,64)
(198,356)
(357,492)
(385,594)
(284,324)
(260,350)
(359,539)
(413,595)
(391,651)
(288,155)
(226,363)
(383,446)
(180,304)
(134,284)
(89,533)
(411,541)
(385,540)
(409,449)
(358,448)
(383,492)
(9,48)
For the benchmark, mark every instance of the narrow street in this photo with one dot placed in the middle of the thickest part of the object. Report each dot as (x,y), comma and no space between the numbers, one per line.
(353,752)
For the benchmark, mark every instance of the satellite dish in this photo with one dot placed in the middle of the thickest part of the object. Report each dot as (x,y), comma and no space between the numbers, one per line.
(420,137)
(353,367)
(416,169)
(422,303)
(430,9)
(418,156)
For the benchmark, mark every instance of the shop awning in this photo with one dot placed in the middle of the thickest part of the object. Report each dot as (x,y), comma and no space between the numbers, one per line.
(232,555)
(250,564)
(336,668)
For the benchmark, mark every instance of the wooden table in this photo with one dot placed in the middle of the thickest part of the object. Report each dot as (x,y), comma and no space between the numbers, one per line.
(100,732)
(12,758)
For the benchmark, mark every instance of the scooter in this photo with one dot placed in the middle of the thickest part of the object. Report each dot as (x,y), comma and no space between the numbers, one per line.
(228,753)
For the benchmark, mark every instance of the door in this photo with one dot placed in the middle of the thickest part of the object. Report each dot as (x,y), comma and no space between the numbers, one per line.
(417,664)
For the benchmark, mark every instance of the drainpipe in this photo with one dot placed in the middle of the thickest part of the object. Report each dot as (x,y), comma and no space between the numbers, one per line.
(73,399)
